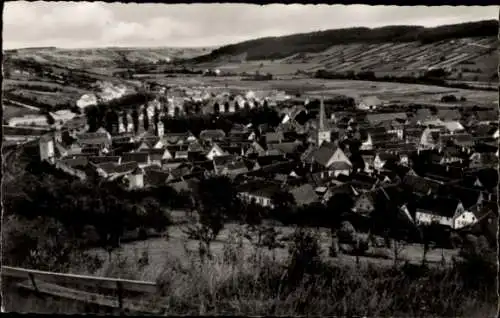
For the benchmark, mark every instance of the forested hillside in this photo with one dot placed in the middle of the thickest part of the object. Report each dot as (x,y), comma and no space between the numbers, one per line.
(280,47)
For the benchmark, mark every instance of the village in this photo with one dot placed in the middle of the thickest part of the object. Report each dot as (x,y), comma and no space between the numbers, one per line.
(431,166)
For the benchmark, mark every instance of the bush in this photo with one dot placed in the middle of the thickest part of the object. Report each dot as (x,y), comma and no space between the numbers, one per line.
(347,233)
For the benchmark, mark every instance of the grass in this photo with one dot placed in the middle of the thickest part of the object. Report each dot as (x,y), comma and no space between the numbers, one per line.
(179,247)
(240,280)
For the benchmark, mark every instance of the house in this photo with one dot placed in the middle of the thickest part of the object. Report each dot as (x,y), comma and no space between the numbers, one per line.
(485,117)
(157,156)
(364,204)
(148,143)
(448,114)
(376,119)
(304,194)
(429,138)
(452,127)
(381,158)
(421,186)
(212,135)
(100,138)
(441,210)
(155,178)
(255,149)
(274,137)
(285,148)
(422,115)
(104,159)
(215,151)
(450,154)
(259,192)
(47,148)
(175,139)
(220,162)
(483,159)
(369,103)
(234,168)
(329,153)
(487,220)
(110,170)
(143,159)
(135,179)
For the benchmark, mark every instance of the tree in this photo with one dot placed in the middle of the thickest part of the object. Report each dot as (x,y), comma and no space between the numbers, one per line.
(125,120)
(91,115)
(216,203)
(247,106)
(135,120)
(156,119)
(108,121)
(226,107)
(177,112)
(145,118)
(282,202)
(216,108)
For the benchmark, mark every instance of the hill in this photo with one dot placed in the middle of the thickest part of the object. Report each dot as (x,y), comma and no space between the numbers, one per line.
(467,51)
(102,58)
(284,46)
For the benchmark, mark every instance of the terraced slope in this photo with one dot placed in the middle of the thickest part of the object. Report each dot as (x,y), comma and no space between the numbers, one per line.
(392,49)
(469,56)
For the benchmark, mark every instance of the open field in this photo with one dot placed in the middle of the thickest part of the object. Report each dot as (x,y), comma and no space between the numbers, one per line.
(15,111)
(179,248)
(410,93)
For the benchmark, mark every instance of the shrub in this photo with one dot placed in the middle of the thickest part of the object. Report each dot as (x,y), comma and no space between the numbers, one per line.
(347,233)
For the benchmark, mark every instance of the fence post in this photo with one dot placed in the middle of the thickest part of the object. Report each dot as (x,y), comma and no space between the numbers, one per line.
(120,297)
(37,292)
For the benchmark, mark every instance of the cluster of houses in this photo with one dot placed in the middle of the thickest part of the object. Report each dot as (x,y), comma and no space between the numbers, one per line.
(446,160)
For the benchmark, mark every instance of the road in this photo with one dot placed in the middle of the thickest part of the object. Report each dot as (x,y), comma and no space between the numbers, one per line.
(21,104)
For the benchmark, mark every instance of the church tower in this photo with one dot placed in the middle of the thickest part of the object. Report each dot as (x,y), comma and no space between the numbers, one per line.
(324,133)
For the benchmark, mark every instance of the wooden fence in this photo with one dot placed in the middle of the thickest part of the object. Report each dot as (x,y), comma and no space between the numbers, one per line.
(51,284)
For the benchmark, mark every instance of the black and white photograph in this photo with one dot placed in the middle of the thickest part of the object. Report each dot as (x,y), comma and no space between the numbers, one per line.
(239,159)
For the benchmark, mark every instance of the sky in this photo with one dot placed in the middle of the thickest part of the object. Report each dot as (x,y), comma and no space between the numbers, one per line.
(99,24)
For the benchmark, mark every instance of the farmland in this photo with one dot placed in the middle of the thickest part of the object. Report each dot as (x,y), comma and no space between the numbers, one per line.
(396,59)
(103,57)
(390,92)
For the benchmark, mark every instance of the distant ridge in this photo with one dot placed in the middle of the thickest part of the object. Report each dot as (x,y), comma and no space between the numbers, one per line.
(284,46)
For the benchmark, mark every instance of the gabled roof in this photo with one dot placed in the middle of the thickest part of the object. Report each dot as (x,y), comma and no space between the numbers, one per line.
(212,134)
(285,147)
(75,162)
(421,185)
(103,159)
(95,138)
(375,119)
(139,157)
(449,114)
(155,177)
(274,137)
(224,160)
(324,153)
(423,114)
(442,206)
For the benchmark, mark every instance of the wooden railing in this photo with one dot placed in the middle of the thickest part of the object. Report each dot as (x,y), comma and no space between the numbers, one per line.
(50,283)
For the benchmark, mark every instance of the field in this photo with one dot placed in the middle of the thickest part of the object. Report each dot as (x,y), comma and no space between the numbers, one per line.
(179,248)
(397,59)
(104,57)
(409,93)
(14,111)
